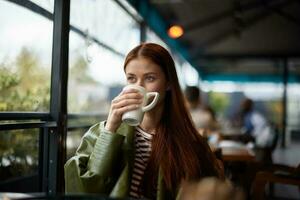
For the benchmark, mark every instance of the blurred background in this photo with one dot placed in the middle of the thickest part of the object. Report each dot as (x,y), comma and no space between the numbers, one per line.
(61,63)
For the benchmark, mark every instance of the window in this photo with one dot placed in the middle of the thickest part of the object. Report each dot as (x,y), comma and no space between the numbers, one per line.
(189,74)
(19,159)
(25,58)
(96,55)
(73,140)
(101,34)
(25,66)
(293,99)
(153,37)
(46,4)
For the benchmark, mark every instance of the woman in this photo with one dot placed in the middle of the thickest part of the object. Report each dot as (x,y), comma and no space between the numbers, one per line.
(153,159)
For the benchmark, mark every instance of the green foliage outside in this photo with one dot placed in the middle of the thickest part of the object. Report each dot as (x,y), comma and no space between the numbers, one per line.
(79,71)
(24,86)
(219,102)
(79,77)
(276,110)
(18,153)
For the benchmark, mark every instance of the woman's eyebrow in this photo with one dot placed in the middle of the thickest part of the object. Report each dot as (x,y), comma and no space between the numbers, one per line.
(150,73)
(146,74)
(130,74)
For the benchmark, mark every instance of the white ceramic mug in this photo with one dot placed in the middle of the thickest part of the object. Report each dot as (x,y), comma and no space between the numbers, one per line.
(135,117)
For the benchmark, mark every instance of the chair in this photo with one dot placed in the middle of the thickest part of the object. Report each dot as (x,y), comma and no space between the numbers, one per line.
(275,174)
(264,154)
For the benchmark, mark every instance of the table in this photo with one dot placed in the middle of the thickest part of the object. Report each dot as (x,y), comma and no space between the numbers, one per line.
(237,154)
(234,151)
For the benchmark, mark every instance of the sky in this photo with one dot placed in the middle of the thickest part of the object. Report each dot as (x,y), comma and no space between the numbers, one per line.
(20,28)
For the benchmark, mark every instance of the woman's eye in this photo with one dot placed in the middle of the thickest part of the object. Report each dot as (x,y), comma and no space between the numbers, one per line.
(130,79)
(150,78)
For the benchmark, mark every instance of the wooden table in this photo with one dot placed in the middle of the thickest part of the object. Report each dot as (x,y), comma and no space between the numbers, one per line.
(238,161)
(237,154)
(234,151)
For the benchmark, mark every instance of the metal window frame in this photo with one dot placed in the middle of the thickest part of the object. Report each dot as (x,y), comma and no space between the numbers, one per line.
(52,125)
(58,96)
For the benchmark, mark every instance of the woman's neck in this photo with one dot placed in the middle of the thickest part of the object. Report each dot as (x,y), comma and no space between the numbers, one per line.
(151,119)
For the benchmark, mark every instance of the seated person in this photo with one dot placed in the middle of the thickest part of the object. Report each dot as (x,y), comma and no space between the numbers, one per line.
(203,116)
(255,124)
(150,160)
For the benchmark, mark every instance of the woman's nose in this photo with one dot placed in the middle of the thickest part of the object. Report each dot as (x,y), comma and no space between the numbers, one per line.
(140,83)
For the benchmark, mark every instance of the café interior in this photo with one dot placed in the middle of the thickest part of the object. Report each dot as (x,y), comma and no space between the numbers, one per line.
(61,66)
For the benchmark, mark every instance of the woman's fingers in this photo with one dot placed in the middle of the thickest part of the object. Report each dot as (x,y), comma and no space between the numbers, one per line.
(127,96)
(120,111)
(126,102)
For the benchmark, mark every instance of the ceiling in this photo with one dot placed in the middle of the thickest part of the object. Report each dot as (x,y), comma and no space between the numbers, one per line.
(232,39)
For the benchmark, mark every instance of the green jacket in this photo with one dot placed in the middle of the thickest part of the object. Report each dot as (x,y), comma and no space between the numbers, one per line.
(103,164)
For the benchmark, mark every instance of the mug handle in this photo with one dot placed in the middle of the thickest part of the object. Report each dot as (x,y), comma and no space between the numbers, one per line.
(153,103)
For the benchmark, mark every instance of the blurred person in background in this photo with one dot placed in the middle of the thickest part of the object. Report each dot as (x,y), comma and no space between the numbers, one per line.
(153,159)
(255,125)
(203,116)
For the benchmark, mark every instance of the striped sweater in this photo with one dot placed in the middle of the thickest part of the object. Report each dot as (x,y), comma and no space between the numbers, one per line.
(142,154)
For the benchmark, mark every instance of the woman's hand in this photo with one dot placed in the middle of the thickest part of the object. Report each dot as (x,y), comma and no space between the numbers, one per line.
(127,100)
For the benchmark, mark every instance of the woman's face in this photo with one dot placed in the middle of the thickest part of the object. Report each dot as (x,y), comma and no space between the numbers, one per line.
(143,72)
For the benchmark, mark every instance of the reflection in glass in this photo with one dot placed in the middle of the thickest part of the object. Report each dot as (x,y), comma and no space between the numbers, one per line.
(90,82)
(25,59)
(96,59)
(18,153)
(73,141)
(106,21)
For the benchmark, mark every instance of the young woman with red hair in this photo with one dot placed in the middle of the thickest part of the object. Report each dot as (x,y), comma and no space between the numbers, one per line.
(152,159)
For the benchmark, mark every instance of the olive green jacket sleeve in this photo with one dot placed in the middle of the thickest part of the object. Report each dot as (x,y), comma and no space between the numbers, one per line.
(93,168)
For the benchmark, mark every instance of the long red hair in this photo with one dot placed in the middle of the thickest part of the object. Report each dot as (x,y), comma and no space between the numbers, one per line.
(177,147)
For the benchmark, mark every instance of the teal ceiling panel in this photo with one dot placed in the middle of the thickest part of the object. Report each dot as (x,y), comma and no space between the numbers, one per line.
(245,78)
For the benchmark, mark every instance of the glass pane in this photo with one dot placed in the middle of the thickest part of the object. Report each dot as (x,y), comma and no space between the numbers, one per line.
(46,4)
(106,21)
(190,74)
(73,141)
(96,71)
(25,58)
(19,154)
(153,37)
(293,101)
